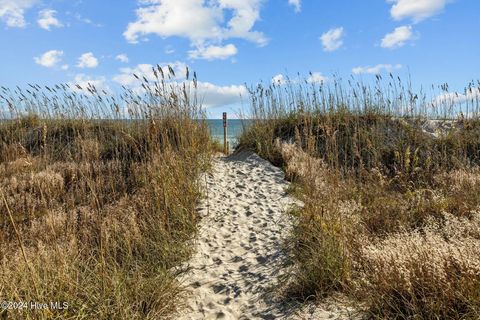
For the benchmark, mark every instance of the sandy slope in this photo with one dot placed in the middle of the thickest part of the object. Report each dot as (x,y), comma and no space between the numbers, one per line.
(239,258)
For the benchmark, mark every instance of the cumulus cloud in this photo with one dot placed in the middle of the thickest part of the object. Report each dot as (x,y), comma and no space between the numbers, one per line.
(126,76)
(279,79)
(209,95)
(316,77)
(87,60)
(332,39)
(297,4)
(452,98)
(122,58)
(204,23)
(47,19)
(214,52)
(212,95)
(417,10)
(379,68)
(12,12)
(185,18)
(49,59)
(397,38)
(82,82)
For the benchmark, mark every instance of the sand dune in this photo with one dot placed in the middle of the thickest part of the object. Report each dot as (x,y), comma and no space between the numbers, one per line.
(239,261)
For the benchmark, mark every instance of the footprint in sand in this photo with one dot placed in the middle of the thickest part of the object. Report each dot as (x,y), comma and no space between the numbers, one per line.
(243,246)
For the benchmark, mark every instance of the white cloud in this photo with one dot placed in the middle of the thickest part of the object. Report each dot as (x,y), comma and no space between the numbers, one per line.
(448,98)
(417,10)
(332,39)
(316,77)
(451,98)
(279,79)
(397,38)
(184,18)
(204,23)
(214,52)
(379,68)
(12,12)
(47,19)
(297,4)
(245,14)
(49,59)
(211,95)
(86,81)
(126,76)
(122,58)
(87,60)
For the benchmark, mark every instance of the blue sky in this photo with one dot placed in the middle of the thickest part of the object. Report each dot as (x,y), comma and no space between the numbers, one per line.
(232,42)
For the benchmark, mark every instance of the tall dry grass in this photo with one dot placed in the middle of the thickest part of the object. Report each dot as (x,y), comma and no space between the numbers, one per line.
(98,196)
(391,207)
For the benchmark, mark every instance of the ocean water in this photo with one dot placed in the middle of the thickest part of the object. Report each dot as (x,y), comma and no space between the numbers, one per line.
(234,130)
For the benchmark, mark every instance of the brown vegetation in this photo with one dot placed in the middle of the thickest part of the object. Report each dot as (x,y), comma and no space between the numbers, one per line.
(391,212)
(98,205)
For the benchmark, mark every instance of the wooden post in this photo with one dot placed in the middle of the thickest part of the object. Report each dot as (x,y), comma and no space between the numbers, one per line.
(225,142)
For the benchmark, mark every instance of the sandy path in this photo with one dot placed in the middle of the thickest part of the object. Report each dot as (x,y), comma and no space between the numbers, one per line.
(239,258)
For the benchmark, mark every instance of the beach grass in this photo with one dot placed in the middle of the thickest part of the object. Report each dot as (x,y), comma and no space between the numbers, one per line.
(98,196)
(390,184)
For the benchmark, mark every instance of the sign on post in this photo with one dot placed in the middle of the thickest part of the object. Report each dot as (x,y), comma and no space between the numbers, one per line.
(225,142)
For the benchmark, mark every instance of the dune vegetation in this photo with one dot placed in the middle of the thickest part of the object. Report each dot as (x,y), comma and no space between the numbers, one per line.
(391,214)
(98,196)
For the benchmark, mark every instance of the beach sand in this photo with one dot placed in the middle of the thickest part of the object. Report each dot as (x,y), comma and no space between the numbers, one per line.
(240,264)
